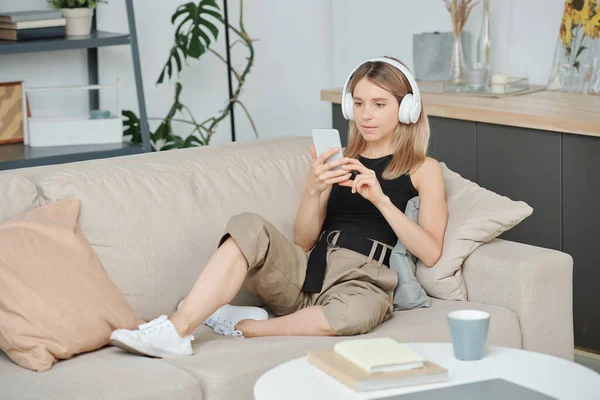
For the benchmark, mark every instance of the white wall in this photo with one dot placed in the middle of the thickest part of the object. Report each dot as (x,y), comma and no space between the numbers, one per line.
(524,32)
(304,47)
(292,65)
(282,90)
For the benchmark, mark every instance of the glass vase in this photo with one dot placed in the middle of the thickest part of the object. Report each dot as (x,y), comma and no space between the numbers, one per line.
(484,42)
(457,63)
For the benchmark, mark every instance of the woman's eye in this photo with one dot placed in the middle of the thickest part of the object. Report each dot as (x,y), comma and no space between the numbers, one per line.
(357,103)
(380,105)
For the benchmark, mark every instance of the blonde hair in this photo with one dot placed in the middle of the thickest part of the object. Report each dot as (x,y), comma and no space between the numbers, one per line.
(411,140)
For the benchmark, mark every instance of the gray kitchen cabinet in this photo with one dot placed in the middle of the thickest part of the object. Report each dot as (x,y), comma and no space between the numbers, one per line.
(453,141)
(524,164)
(581,232)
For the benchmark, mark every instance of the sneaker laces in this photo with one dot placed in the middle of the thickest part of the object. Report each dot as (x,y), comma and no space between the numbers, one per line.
(155,324)
(222,326)
(224,329)
(213,321)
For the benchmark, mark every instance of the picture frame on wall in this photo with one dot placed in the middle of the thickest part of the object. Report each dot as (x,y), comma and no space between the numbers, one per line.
(12,106)
(576,63)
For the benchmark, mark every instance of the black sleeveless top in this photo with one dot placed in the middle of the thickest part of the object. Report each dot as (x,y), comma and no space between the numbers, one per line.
(352,212)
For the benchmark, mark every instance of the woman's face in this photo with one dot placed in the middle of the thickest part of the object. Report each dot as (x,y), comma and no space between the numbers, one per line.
(375,111)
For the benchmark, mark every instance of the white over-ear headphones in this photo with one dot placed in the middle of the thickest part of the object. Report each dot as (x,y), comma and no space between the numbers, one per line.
(410,105)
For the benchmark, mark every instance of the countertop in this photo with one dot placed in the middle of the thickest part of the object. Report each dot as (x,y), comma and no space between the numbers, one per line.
(545,110)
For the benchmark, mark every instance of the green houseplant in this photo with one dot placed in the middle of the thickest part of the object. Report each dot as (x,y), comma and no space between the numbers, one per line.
(195,24)
(78,14)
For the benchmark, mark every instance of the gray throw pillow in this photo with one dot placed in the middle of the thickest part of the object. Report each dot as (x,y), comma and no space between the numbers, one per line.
(408,293)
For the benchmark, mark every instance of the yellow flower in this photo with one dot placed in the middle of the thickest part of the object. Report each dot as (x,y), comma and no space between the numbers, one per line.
(566,36)
(581,11)
(592,27)
(568,11)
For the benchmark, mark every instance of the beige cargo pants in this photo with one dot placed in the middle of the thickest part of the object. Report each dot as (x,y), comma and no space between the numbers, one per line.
(357,293)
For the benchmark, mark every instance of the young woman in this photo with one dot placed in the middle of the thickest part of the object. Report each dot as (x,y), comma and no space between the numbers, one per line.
(334,280)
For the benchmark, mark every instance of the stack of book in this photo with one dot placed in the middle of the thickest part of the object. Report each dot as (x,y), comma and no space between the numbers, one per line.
(376,364)
(32,25)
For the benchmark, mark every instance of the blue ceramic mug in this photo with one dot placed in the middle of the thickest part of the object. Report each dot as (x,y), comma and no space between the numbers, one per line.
(468,330)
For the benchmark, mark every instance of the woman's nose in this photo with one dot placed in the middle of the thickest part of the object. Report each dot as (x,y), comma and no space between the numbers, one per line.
(367,114)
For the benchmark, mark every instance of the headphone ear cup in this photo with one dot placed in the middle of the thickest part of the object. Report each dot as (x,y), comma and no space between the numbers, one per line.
(406,106)
(415,112)
(347,107)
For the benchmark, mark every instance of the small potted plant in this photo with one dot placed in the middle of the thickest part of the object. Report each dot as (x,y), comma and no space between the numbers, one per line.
(78,14)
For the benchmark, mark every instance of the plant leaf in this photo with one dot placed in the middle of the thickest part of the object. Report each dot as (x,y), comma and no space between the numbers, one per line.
(176,142)
(163,132)
(191,40)
(178,61)
(176,53)
(170,146)
(193,21)
(132,125)
(169,68)
(192,141)
(161,77)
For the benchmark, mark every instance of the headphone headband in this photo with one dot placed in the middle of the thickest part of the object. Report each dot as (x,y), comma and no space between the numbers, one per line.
(416,100)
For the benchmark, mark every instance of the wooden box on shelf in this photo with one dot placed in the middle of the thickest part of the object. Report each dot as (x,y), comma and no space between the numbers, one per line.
(11,112)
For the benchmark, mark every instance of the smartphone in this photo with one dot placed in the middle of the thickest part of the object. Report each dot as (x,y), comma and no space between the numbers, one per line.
(324,140)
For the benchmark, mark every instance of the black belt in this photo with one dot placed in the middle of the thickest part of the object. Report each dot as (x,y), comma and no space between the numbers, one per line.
(317,260)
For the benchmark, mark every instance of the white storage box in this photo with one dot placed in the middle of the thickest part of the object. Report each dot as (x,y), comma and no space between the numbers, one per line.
(47,131)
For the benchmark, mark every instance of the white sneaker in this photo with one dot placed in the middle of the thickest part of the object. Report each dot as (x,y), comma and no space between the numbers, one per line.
(224,320)
(157,338)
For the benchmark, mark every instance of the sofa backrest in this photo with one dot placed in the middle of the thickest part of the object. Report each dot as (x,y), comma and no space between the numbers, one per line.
(17,194)
(155,219)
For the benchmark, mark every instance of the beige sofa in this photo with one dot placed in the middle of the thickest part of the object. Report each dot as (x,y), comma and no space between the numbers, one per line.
(154,219)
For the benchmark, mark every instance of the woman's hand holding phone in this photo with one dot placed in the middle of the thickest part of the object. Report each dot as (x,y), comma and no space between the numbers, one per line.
(321,175)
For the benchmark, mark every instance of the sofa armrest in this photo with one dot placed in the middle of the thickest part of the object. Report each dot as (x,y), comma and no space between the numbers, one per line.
(535,283)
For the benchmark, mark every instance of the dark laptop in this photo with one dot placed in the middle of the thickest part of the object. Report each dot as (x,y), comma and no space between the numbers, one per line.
(491,389)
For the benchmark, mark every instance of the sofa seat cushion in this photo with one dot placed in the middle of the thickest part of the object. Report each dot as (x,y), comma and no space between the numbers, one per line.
(430,324)
(227,367)
(108,373)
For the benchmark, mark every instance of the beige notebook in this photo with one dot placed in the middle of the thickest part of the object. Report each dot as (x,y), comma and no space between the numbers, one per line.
(378,354)
(358,380)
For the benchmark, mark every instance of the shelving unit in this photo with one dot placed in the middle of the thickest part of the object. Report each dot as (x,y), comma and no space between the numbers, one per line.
(96,39)
(20,156)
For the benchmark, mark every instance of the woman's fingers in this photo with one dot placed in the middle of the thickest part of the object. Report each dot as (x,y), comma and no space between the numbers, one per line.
(338,179)
(332,174)
(313,152)
(360,181)
(354,161)
(319,165)
(327,154)
(318,162)
(356,183)
(335,163)
(354,164)
(354,167)
(332,164)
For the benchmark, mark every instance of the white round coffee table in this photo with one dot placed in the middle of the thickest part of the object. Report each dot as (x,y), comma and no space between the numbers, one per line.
(562,379)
